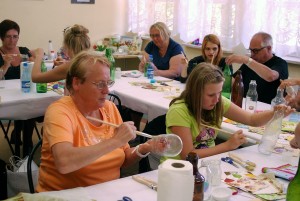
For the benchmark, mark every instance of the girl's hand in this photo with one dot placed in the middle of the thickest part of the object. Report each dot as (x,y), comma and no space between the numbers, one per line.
(236,140)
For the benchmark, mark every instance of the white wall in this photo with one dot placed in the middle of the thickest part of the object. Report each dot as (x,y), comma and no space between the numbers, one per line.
(42,20)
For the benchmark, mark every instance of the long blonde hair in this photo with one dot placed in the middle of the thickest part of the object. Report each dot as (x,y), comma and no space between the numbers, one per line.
(215,40)
(202,74)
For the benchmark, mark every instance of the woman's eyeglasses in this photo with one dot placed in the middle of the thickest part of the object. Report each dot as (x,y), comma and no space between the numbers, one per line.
(12,37)
(103,84)
(256,50)
(154,35)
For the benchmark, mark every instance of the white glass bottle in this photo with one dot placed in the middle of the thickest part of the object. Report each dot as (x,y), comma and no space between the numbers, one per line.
(50,49)
(251,97)
(279,99)
(271,133)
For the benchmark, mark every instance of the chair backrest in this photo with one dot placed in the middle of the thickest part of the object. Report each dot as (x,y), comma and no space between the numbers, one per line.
(29,162)
(116,100)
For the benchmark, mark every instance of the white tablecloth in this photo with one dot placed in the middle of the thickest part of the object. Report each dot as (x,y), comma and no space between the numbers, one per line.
(16,105)
(115,190)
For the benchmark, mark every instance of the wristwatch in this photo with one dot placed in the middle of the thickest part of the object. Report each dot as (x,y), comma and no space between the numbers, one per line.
(249,61)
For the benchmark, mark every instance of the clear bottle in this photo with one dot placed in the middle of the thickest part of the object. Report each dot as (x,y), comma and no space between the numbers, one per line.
(237,92)
(271,133)
(251,97)
(50,48)
(226,91)
(150,70)
(278,99)
(199,178)
(293,193)
(111,59)
(42,87)
(25,78)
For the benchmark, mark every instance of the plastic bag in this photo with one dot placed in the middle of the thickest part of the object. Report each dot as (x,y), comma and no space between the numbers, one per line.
(17,180)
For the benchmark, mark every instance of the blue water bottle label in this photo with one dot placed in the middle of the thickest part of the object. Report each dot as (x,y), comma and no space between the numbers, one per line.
(25,86)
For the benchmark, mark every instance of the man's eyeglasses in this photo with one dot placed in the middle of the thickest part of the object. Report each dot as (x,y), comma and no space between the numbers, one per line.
(256,50)
(103,84)
(154,35)
(12,37)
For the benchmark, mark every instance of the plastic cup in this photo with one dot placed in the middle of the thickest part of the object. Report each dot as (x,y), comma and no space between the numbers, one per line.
(172,145)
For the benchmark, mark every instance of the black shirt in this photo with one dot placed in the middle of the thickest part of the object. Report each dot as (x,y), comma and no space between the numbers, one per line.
(266,90)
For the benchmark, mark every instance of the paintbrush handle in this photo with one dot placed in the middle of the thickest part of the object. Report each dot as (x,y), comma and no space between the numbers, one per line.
(116,126)
(227,132)
(239,158)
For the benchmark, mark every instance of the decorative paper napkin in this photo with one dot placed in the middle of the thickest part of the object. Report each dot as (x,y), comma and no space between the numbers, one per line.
(264,185)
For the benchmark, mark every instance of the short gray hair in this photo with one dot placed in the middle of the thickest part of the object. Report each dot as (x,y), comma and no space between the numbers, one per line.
(266,39)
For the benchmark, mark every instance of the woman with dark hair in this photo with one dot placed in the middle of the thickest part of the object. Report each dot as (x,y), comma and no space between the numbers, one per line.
(11,54)
(10,59)
(212,52)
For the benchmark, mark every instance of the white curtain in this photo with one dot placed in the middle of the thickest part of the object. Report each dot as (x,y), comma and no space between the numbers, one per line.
(234,21)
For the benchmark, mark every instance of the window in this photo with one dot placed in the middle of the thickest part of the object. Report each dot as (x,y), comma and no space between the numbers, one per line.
(234,21)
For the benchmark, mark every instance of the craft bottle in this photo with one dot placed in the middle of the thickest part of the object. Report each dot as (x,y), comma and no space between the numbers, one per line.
(50,49)
(150,70)
(25,78)
(198,177)
(271,133)
(278,99)
(226,91)
(293,192)
(251,97)
(237,93)
(42,87)
(111,59)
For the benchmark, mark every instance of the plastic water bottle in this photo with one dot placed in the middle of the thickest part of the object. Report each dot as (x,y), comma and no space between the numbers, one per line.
(271,133)
(226,91)
(251,97)
(150,70)
(279,99)
(25,79)
(42,87)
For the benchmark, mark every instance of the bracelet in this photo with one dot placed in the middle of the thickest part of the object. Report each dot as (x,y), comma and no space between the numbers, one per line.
(139,154)
(249,61)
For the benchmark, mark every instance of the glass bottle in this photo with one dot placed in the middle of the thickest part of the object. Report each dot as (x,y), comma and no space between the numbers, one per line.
(278,99)
(226,91)
(251,97)
(271,133)
(293,193)
(237,92)
(150,70)
(42,87)
(111,59)
(199,178)
(50,48)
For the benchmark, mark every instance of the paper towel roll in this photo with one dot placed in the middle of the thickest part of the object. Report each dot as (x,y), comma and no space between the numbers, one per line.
(175,181)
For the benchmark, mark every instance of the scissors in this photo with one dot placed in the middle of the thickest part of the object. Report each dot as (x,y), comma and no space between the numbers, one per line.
(125,198)
(230,161)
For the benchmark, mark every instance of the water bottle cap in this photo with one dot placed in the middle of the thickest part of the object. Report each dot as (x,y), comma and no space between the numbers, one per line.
(152,81)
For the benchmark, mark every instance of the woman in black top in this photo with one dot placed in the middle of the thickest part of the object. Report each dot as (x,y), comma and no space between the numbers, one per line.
(11,55)
(211,53)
